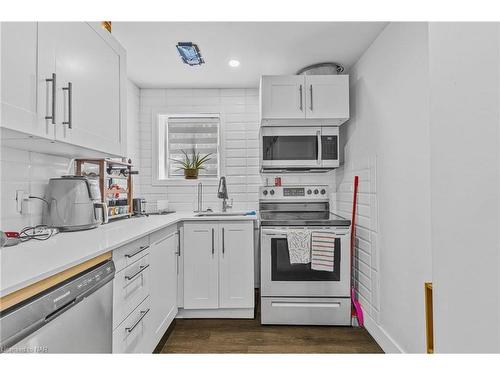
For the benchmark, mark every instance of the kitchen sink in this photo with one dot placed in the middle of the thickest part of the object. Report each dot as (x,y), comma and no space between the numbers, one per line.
(201,214)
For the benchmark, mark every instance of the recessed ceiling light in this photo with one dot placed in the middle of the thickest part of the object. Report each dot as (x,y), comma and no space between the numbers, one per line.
(234,63)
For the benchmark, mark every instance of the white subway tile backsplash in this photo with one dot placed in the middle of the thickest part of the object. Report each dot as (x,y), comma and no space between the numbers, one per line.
(366,261)
(30,172)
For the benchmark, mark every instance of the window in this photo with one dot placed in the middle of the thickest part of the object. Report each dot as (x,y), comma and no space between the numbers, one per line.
(190,133)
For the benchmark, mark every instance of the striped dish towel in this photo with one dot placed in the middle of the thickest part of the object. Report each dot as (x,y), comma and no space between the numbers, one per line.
(322,251)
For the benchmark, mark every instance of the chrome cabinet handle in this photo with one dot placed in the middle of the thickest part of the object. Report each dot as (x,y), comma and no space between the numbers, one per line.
(141,249)
(53,115)
(213,249)
(320,146)
(311,92)
(143,314)
(178,243)
(69,88)
(141,268)
(300,96)
(223,247)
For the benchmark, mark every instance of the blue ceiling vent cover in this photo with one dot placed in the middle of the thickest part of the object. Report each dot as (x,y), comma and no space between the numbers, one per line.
(190,53)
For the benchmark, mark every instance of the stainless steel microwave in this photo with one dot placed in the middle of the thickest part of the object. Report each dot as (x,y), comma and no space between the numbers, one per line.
(299,147)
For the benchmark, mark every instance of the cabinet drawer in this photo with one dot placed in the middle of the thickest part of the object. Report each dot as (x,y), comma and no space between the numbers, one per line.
(310,311)
(129,253)
(130,287)
(131,335)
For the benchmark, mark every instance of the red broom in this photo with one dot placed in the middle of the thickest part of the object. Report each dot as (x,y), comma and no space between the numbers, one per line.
(356,307)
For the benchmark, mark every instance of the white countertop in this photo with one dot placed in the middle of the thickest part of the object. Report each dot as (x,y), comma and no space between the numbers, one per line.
(32,261)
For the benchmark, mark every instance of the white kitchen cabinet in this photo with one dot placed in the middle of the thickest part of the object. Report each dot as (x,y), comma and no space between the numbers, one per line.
(327,96)
(201,284)
(283,97)
(84,59)
(236,277)
(287,100)
(218,265)
(163,295)
(21,109)
(131,336)
(87,104)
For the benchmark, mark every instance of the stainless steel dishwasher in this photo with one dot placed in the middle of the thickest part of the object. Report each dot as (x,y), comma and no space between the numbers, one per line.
(74,316)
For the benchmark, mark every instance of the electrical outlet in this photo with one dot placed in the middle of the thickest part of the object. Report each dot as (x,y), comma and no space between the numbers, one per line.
(22,202)
(19,200)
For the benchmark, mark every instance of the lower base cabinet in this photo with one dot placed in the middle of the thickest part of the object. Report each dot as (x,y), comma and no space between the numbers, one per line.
(218,266)
(140,323)
(132,335)
(163,286)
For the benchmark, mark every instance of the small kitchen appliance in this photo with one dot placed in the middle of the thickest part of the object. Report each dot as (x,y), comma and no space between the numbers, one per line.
(299,148)
(139,205)
(294,293)
(74,203)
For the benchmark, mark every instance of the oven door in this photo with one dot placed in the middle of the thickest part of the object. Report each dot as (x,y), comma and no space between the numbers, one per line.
(279,278)
(290,147)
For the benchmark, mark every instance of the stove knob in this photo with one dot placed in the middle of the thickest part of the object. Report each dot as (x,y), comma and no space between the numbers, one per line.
(264,192)
(272,192)
(316,191)
(323,191)
(309,192)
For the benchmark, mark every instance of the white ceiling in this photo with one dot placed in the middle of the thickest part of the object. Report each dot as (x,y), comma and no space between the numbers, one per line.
(262,48)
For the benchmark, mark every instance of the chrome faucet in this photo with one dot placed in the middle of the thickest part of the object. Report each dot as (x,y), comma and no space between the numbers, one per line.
(222,194)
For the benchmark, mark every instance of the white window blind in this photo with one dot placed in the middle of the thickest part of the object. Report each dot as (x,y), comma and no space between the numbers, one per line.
(192,134)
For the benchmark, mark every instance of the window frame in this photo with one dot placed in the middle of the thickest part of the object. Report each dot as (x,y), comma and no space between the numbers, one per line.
(158,158)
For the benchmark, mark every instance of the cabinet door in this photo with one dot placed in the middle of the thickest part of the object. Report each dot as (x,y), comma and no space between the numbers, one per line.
(282,97)
(84,59)
(236,270)
(21,110)
(201,266)
(163,294)
(327,96)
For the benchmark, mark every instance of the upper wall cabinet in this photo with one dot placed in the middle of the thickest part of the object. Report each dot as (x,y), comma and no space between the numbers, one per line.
(69,87)
(22,108)
(291,100)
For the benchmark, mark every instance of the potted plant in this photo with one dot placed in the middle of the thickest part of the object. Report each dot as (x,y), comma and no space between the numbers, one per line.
(192,164)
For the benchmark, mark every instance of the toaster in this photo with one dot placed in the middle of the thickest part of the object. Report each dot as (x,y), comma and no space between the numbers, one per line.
(74,203)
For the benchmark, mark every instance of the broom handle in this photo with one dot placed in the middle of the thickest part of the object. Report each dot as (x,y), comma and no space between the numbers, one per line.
(353,223)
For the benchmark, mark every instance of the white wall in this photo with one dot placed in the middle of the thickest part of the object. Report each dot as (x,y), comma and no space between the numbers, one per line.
(387,144)
(465,170)
(240,144)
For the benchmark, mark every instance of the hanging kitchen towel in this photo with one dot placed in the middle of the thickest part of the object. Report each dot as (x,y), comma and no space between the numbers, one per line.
(299,245)
(322,251)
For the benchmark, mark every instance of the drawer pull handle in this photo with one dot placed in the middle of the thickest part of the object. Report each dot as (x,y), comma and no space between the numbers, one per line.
(143,314)
(306,304)
(141,268)
(140,250)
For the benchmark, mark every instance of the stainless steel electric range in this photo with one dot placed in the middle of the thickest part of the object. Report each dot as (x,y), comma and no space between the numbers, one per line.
(295,293)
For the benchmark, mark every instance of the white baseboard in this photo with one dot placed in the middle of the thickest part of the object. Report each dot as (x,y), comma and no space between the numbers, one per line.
(216,314)
(385,341)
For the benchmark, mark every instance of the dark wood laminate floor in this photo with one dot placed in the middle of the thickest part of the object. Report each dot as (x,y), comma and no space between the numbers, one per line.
(249,336)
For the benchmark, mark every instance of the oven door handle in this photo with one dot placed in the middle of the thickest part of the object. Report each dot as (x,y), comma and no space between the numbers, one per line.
(276,233)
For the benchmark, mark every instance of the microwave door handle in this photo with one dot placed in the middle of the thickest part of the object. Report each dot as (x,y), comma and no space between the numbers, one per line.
(318,134)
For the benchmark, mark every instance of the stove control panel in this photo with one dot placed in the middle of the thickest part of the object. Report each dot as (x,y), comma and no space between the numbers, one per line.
(296,192)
